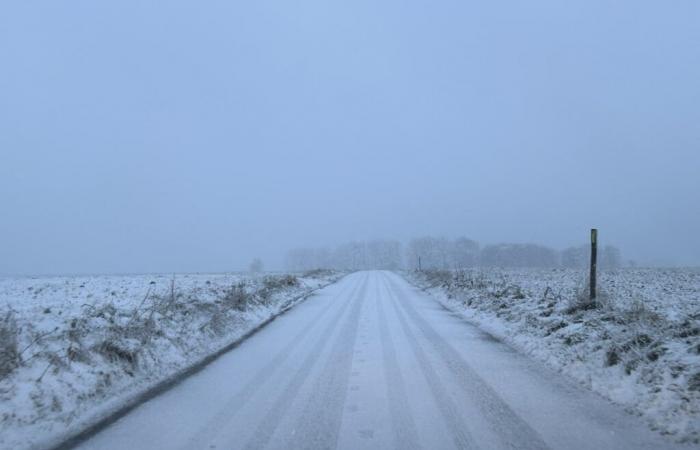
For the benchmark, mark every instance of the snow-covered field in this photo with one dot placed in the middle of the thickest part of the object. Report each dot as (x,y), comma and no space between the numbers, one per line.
(639,345)
(74,349)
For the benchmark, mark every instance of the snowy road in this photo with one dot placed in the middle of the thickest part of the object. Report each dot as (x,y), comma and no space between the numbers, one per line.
(371,362)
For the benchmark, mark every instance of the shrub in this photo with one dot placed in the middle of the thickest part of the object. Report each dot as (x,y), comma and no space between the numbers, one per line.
(236,297)
(438,277)
(316,273)
(581,301)
(272,283)
(125,351)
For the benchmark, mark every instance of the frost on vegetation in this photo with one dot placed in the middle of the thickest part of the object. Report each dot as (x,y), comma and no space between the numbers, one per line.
(638,342)
(9,352)
(69,344)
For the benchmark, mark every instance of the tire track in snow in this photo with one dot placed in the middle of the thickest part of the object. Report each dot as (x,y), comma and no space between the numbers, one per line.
(453,418)
(511,429)
(404,427)
(319,424)
(228,412)
(266,429)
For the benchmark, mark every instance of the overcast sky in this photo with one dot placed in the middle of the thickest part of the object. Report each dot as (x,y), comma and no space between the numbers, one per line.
(140,136)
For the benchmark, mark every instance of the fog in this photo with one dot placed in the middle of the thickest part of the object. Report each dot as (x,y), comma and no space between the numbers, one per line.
(143,136)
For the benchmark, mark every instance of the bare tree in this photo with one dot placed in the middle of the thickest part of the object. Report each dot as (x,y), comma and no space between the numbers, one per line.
(256,266)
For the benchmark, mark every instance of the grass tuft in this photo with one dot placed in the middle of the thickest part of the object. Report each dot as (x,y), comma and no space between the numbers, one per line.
(9,353)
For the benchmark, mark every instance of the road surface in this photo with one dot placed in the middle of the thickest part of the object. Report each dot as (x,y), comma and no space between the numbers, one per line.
(372,362)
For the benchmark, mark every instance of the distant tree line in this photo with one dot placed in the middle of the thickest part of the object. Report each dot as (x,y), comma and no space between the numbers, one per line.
(577,257)
(441,253)
(357,255)
(430,252)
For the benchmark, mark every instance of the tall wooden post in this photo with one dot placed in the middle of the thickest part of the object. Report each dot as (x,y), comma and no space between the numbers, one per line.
(420,269)
(594,261)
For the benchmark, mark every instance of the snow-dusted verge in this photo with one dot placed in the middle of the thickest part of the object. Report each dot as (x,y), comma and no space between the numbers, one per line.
(73,350)
(638,345)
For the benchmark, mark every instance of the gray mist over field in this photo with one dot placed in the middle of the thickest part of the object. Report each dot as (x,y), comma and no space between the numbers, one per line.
(140,136)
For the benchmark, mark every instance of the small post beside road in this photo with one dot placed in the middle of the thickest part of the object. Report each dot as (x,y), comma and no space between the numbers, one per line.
(594,262)
(419,266)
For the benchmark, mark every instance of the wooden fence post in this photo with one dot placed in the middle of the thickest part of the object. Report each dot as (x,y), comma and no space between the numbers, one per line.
(594,262)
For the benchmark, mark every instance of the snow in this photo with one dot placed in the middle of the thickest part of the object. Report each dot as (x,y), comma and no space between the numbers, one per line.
(89,344)
(368,362)
(639,346)
(373,363)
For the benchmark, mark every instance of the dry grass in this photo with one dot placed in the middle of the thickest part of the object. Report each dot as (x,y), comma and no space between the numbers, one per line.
(9,352)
